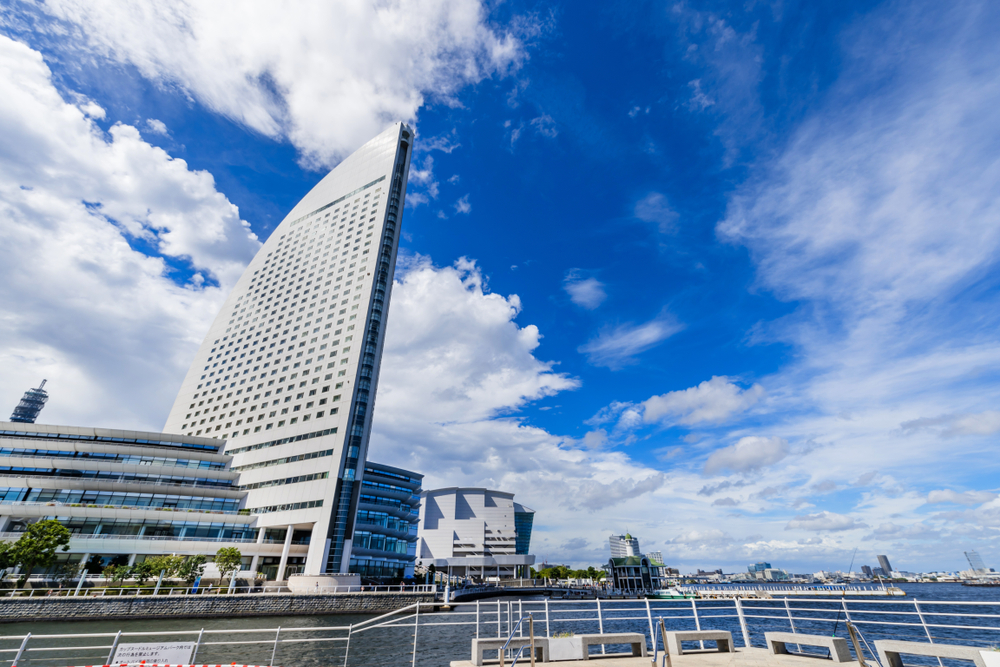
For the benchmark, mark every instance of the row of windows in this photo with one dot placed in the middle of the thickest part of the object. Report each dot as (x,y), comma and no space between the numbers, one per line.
(117,458)
(365,540)
(153,528)
(175,480)
(385,520)
(287,507)
(118,499)
(286,459)
(101,438)
(282,441)
(286,480)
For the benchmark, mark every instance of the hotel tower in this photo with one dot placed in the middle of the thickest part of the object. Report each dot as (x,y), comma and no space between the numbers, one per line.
(288,371)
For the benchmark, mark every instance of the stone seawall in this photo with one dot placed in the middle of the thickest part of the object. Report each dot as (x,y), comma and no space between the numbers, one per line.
(201,606)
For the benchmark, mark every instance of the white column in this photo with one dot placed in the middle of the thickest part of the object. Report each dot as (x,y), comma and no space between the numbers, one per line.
(284,553)
(256,557)
(131,560)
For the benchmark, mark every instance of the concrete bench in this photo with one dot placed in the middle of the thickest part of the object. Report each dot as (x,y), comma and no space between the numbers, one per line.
(889,651)
(838,645)
(723,640)
(636,639)
(480,646)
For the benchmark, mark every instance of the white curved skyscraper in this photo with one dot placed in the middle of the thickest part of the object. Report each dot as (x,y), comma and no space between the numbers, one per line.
(288,370)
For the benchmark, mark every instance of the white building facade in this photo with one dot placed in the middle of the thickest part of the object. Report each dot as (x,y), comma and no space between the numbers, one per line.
(288,371)
(477,533)
(623,546)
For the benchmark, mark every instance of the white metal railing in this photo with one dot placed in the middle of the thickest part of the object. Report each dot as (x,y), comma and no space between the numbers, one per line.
(73,590)
(379,640)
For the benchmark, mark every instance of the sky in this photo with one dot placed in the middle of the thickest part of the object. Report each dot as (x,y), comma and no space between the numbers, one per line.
(723,275)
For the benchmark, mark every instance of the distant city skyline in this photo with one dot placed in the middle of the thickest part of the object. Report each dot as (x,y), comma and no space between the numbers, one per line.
(722,276)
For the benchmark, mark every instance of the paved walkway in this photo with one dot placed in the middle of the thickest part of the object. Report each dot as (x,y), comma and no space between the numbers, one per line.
(752,657)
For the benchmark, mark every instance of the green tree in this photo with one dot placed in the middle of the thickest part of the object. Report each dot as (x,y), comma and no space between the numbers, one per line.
(229,561)
(142,572)
(118,573)
(169,565)
(37,547)
(191,568)
(6,556)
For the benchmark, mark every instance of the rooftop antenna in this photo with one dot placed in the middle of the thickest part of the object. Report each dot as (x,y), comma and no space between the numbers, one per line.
(31,404)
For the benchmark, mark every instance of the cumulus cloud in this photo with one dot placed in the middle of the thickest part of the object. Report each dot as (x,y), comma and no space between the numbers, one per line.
(619,346)
(84,309)
(326,76)
(960,498)
(824,521)
(583,291)
(654,209)
(155,126)
(711,402)
(749,453)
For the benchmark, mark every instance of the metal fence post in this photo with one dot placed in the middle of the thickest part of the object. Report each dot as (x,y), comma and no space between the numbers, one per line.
(197,646)
(791,622)
(520,615)
(274,652)
(83,578)
(743,623)
(697,622)
(416,627)
(916,604)
(649,616)
(499,616)
(347,648)
(114,645)
(600,621)
(477,619)
(24,645)
(547,618)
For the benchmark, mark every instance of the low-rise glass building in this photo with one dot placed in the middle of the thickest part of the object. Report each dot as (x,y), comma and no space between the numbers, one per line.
(385,528)
(126,495)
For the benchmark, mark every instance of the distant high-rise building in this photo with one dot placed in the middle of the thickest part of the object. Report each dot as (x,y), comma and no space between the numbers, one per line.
(883,562)
(867,571)
(975,561)
(288,371)
(758,567)
(623,546)
(31,404)
(879,572)
(655,557)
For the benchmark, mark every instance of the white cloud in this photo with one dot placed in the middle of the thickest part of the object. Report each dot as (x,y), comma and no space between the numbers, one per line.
(618,346)
(655,209)
(712,401)
(583,291)
(964,498)
(83,309)
(156,126)
(463,206)
(749,453)
(328,76)
(981,423)
(456,369)
(824,521)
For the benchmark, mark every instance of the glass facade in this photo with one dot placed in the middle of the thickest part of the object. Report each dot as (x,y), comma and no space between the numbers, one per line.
(384,545)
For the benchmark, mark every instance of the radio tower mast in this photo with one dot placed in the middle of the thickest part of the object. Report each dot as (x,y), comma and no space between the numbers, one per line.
(31,404)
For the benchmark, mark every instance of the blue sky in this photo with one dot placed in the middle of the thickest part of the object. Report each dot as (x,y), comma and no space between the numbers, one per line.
(721,274)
